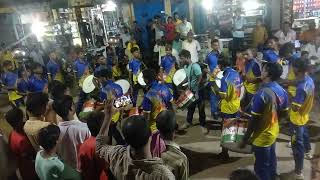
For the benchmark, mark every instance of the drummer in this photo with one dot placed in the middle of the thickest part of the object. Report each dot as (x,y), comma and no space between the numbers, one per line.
(167,67)
(230,96)
(251,77)
(134,70)
(37,81)
(212,62)
(54,68)
(268,104)
(157,98)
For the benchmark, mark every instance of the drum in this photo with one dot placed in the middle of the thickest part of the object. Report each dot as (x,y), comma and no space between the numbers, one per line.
(233,131)
(125,85)
(88,84)
(89,106)
(185,99)
(218,78)
(141,80)
(179,77)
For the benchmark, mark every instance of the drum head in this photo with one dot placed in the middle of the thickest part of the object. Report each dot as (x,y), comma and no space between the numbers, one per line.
(125,85)
(88,85)
(179,77)
(141,80)
(218,78)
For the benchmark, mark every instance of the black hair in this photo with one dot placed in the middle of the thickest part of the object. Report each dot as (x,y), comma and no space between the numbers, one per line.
(214,41)
(35,66)
(6,63)
(243,174)
(303,53)
(273,38)
(63,106)
(14,117)
(136,131)
(166,123)
(301,65)
(170,17)
(259,19)
(36,103)
(48,137)
(94,122)
(286,22)
(274,70)
(175,13)
(57,89)
(287,49)
(149,74)
(103,73)
(223,63)
(185,53)
(134,49)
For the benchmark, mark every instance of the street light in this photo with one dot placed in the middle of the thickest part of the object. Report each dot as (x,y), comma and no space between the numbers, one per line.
(38,29)
(207,4)
(109,6)
(250,5)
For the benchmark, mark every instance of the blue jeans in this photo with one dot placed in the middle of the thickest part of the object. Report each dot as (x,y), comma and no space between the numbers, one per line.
(265,165)
(213,101)
(300,143)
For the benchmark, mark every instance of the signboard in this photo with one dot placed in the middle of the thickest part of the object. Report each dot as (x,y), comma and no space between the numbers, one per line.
(80,3)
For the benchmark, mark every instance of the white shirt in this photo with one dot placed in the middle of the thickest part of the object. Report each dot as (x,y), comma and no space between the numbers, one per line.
(158,32)
(72,134)
(290,37)
(176,55)
(125,38)
(238,24)
(313,51)
(185,28)
(193,47)
(37,57)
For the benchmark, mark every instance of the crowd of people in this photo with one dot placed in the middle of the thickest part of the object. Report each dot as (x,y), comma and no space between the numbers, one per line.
(62,132)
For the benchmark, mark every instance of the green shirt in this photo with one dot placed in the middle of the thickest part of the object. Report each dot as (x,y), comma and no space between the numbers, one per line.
(53,168)
(193,72)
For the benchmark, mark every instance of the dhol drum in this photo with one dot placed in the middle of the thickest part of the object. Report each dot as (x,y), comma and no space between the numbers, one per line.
(125,85)
(180,78)
(185,99)
(141,80)
(218,78)
(88,84)
(233,131)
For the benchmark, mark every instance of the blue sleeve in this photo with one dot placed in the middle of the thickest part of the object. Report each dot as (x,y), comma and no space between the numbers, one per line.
(224,85)
(256,70)
(300,97)
(130,66)
(146,104)
(212,62)
(258,104)
(196,69)
(162,62)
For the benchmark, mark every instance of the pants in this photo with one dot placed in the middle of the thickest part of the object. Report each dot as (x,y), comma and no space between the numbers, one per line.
(115,133)
(300,143)
(265,165)
(135,93)
(213,99)
(201,106)
(237,44)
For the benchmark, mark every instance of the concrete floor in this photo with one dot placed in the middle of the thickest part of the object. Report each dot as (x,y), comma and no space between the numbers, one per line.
(202,150)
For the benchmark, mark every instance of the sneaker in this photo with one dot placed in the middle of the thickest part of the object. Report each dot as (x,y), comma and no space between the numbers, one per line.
(289,144)
(186,126)
(204,130)
(298,176)
(308,156)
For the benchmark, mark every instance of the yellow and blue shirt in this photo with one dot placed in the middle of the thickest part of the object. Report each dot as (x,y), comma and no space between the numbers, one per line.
(80,67)
(9,79)
(291,75)
(155,101)
(212,62)
(252,70)
(271,56)
(231,88)
(55,71)
(168,64)
(266,103)
(37,85)
(108,91)
(304,100)
(135,68)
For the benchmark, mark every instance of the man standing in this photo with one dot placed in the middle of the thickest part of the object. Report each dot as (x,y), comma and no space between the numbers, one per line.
(184,28)
(135,160)
(268,104)
(313,48)
(271,53)
(301,106)
(36,54)
(212,62)
(238,23)
(194,76)
(286,34)
(193,46)
(54,68)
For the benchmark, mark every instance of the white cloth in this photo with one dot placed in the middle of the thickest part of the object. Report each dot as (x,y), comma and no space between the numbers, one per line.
(161,50)
(238,24)
(290,37)
(72,134)
(313,51)
(158,32)
(37,57)
(193,47)
(185,28)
